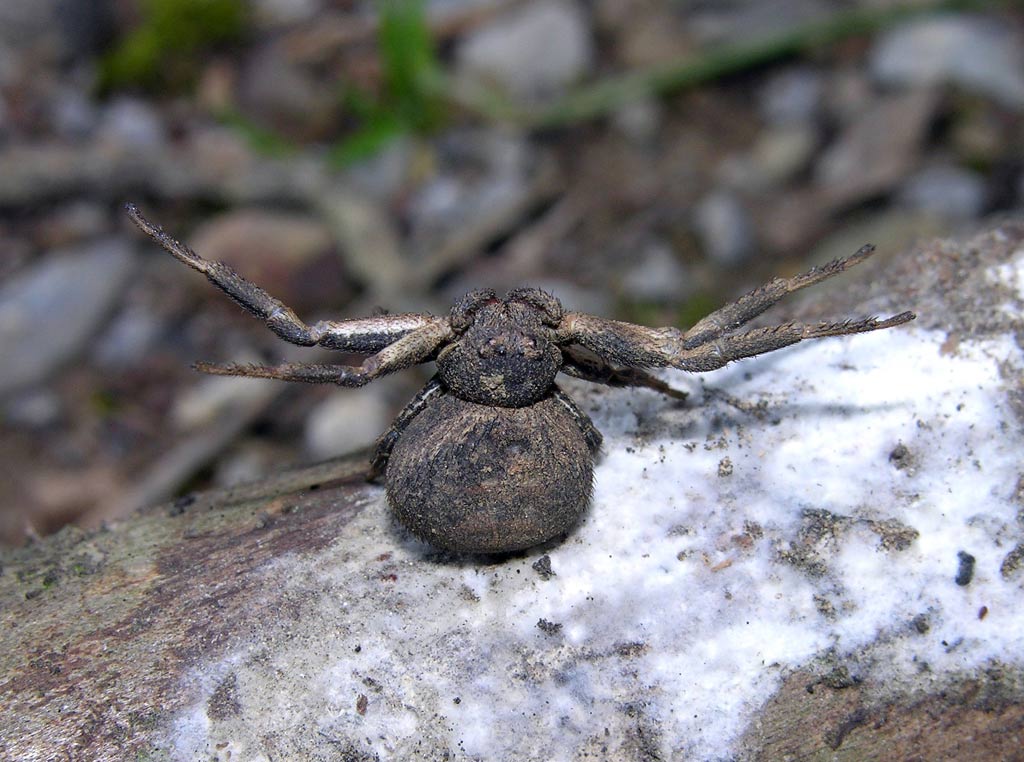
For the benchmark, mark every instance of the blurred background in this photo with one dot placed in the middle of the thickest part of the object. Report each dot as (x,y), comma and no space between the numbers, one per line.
(641,159)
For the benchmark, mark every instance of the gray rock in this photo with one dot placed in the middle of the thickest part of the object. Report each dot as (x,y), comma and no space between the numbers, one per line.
(386,173)
(73,114)
(639,120)
(877,150)
(133,122)
(346,421)
(277,90)
(247,462)
(274,13)
(848,93)
(31,27)
(775,158)
(71,223)
(211,161)
(533,51)
(978,54)
(948,191)
(482,171)
(128,338)
(33,409)
(656,275)
(687,617)
(743,20)
(212,397)
(793,96)
(367,240)
(279,250)
(49,313)
(724,228)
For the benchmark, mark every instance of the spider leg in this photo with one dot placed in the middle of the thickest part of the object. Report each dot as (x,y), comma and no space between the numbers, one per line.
(413,348)
(710,343)
(361,335)
(386,442)
(753,303)
(717,353)
(590,433)
(582,363)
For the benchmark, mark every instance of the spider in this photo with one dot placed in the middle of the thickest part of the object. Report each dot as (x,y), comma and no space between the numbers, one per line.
(491,455)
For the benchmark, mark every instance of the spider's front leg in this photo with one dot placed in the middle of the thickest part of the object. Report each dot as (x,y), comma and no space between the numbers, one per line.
(587,365)
(709,344)
(386,442)
(361,335)
(590,433)
(416,347)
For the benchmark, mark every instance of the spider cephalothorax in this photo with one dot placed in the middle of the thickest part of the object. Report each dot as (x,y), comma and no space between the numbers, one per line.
(504,352)
(491,456)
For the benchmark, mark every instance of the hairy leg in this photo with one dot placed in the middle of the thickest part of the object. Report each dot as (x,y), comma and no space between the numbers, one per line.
(709,344)
(590,433)
(413,348)
(717,353)
(386,443)
(362,335)
(753,303)
(584,364)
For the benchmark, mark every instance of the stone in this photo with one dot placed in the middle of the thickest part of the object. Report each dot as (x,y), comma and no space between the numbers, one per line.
(778,155)
(287,253)
(346,421)
(277,91)
(481,175)
(978,54)
(785,611)
(639,120)
(656,275)
(210,397)
(793,96)
(724,228)
(73,114)
(367,240)
(279,13)
(50,312)
(877,150)
(946,190)
(133,122)
(532,52)
(132,333)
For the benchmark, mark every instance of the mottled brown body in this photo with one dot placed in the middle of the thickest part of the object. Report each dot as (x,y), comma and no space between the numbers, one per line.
(483,479)
(491,456)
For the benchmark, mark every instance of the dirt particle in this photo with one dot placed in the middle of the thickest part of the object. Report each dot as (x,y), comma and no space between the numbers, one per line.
(965,570)
(543,567)
(549,628)
(900,457)
(180,504)
(224,702)
(894,535)
(1013,562)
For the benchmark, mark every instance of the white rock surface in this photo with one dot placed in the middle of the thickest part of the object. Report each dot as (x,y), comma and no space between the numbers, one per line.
(814,501)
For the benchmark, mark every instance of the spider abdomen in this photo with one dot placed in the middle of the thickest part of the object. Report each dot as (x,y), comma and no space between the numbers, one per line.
(479,479)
